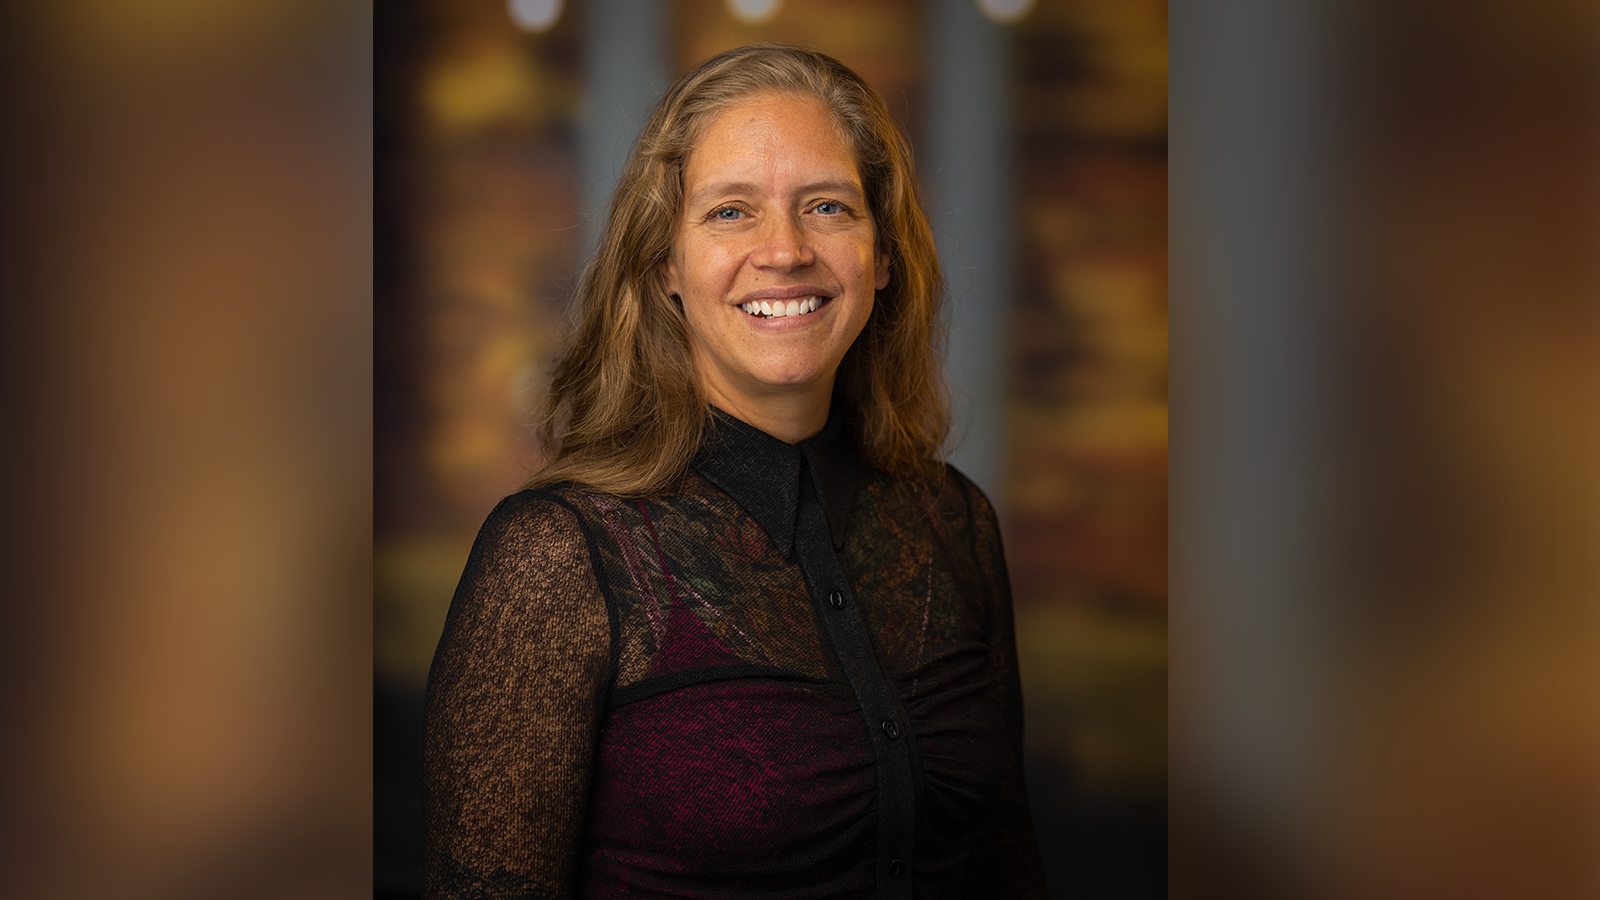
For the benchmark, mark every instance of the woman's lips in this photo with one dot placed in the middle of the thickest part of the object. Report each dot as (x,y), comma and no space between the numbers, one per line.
(778,309)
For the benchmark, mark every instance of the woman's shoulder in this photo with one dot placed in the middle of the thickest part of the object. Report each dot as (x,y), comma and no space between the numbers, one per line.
(528,594)
(562,500)
(956,496)
(534,523)
(553,516)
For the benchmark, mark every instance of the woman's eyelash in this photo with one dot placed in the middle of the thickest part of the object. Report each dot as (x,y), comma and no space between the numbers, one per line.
(735,213)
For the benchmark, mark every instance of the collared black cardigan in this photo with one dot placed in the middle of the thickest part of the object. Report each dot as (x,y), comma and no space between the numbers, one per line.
(790,676)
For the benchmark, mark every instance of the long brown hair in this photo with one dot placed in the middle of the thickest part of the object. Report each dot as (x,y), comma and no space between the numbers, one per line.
(626,411)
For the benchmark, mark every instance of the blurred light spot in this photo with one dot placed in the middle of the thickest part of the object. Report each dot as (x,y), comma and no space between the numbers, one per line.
(534,15)
(1005,10)
(753,10)
(494,86)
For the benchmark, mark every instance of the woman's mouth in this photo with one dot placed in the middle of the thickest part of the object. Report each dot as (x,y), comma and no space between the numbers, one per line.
(778,309)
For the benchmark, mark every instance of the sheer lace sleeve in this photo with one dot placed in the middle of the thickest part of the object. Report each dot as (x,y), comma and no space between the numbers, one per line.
(513,707)
(1005,855)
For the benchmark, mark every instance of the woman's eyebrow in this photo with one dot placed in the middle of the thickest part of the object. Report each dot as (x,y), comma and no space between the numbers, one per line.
(831,188)
(850,188)
(723,188)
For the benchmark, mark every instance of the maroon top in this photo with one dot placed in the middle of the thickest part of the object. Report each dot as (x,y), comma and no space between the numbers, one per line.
(789,676)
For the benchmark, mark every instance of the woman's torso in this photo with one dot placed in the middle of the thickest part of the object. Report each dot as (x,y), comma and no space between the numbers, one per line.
(789,676)
(737,754)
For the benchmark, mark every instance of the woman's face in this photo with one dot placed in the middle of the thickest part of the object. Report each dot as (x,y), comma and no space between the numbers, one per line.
(774,256)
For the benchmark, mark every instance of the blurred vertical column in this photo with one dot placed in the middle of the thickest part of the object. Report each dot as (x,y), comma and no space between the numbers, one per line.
(1251,201)
(966,167)
(625,70)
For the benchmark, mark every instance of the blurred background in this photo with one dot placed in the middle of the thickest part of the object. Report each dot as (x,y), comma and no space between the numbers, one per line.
(1385,370)
(1386,394)
(187,346)
(1040,136)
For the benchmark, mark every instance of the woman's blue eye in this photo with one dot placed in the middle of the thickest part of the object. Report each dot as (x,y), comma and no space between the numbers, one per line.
(829,209)
(728,213)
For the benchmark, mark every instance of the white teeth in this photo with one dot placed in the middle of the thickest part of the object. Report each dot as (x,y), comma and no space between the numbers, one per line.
(779,309)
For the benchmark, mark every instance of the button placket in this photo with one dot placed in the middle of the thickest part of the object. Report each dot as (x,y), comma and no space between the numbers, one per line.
(847,633)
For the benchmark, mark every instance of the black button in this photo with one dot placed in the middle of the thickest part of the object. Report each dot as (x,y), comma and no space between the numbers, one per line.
(836,600)
(896,868)
(891,729)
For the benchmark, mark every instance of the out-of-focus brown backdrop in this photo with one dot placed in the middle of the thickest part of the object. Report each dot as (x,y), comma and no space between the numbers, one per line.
(187,258)
(1386,364)
(1386,509)
(483,207)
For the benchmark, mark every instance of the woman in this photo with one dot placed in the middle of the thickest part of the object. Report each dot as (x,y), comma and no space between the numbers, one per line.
(744,636)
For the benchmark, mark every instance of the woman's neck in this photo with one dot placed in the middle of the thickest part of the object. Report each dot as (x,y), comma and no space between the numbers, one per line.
(789,417)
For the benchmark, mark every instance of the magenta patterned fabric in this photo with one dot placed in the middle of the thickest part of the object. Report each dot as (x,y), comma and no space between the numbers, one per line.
(789,677)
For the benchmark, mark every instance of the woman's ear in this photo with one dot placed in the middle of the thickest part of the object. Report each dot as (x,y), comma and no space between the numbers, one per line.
(669,276)
(880,272)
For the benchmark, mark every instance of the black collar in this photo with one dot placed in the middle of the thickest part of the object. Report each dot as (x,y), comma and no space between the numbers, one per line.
(763,473)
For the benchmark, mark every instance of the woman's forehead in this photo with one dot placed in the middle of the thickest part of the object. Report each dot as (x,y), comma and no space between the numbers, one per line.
(771,135)
(787,102)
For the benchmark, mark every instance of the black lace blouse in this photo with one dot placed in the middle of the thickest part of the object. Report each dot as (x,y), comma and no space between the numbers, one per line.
(791,676)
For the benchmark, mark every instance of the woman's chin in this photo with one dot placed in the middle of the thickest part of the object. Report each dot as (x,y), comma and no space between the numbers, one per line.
(798,380)
(783,387)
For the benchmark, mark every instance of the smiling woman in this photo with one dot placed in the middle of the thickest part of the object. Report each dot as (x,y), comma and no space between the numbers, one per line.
(628,408)
(745,635)
(775,261)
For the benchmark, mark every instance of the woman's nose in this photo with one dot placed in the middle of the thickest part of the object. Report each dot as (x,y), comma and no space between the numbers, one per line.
(782,246)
